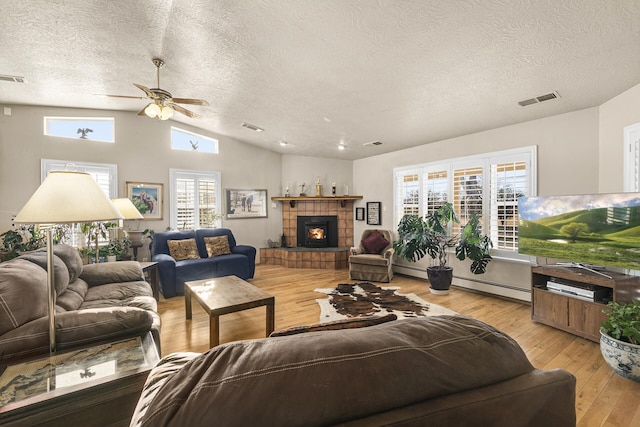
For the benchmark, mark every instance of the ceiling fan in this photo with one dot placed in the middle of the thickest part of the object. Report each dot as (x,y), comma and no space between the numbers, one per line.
(163,104)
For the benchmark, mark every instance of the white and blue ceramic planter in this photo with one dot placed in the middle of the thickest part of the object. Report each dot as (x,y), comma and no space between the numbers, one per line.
(624,358)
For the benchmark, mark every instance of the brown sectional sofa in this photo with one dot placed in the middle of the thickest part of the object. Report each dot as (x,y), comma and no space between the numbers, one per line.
(441,371)
(94,303)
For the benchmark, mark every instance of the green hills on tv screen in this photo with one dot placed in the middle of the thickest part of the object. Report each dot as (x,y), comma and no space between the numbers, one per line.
(601,229)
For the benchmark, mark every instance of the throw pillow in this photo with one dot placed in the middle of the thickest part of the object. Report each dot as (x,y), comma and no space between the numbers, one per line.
(183,249)
(217,246)
(351,323)
(374,243)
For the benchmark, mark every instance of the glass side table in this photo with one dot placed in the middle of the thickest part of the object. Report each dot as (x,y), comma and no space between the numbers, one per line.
(98,385)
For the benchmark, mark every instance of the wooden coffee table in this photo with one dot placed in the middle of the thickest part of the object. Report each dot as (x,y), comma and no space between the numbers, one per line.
(223,295)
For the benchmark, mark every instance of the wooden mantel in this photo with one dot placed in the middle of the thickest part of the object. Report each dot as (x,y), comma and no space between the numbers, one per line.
(292,200)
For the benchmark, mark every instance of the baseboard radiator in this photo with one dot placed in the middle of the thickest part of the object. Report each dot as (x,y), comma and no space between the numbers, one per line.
(476,284)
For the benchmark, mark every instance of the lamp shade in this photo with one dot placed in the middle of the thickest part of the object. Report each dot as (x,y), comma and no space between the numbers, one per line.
(127,209)
(66,197)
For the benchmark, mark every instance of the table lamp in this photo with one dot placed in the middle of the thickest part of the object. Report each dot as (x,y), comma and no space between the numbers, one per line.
(129,212)
(64,197)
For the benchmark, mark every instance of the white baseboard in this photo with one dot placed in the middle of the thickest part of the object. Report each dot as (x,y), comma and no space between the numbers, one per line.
(476,285)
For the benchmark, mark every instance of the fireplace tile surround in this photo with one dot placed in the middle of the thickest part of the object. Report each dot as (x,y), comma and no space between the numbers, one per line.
(320,208)
(293,257)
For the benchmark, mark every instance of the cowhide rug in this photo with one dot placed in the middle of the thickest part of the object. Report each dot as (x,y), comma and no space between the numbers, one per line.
(366,299)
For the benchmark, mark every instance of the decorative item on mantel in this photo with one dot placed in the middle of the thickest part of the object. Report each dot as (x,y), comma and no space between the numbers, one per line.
(286,191)
(318,188)
(333,189)
(302,193)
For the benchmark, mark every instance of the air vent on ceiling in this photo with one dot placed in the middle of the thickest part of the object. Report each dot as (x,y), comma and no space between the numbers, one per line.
(252,127)
(14,79)
(538,99)
(372,143)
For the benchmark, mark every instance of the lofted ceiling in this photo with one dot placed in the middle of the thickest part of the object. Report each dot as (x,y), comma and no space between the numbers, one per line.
(317,73)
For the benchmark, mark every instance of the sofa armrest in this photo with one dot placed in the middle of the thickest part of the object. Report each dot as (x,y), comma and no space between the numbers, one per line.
(388,253)
(111,272)
(166,274)
(82,327)
(246,250)
(355,251)
(75,329)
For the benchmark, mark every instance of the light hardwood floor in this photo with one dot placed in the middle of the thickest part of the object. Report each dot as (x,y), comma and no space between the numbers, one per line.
(602,398)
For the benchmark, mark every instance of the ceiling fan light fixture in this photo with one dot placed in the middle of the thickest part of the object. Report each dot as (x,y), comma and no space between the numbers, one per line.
(166,113)
(152,110)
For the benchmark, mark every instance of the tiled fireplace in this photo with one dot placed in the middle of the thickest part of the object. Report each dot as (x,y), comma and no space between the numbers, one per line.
(295,256)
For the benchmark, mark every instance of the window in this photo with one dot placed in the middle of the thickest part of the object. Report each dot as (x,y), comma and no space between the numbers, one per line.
(195,199)
(485,185)
(189,141)
(105,174)
(88,128)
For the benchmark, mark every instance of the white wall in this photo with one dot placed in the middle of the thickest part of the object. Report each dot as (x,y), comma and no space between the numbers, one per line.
(567,164)
(142,152)
(299,169)
(615,115)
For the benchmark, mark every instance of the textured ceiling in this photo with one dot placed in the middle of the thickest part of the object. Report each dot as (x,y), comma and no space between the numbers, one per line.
(319,72)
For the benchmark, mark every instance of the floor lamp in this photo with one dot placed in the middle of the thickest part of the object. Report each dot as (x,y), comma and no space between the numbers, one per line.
(129,211)
(64,198)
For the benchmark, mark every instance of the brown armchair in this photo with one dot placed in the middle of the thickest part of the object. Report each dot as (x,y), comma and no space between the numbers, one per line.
(372,260)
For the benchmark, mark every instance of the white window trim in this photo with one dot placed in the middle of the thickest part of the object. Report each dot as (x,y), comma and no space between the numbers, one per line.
(174,174)
(485,160)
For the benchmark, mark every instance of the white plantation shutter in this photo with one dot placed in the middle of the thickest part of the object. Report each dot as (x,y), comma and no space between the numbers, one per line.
(195,199)
(407,194)
(468,193)
(185,203)
(631,179)
(207,194)
(436,190)
(508,182)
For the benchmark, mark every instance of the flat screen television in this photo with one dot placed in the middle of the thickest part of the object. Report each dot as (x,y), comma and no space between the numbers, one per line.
(593,229)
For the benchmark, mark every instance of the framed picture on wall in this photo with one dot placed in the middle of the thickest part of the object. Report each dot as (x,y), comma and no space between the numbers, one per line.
(359,214)
(373,213)
(147,197)
(246,204)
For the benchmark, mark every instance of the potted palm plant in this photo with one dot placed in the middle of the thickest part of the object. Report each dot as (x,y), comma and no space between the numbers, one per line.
(620,339)
(431,236)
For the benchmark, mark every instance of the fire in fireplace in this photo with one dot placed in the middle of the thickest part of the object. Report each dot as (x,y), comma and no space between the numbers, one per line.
(317,231)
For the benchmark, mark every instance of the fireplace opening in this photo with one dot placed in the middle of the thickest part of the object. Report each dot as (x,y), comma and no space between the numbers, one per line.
(317,231)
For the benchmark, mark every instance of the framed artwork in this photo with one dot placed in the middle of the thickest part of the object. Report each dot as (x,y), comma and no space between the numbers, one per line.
(147,197)
(373,213)
(359,214)
(246,204)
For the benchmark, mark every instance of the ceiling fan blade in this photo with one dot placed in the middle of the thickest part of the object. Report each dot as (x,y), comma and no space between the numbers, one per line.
(190,101)
(145,90)
(183,110)
(121,96)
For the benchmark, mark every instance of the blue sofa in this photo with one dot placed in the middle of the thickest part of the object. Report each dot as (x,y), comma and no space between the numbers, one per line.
(240,262)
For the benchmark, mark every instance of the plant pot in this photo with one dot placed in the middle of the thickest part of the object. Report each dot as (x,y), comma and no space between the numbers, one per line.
(439,279)
(111,258)
(622,357)
(135,237)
